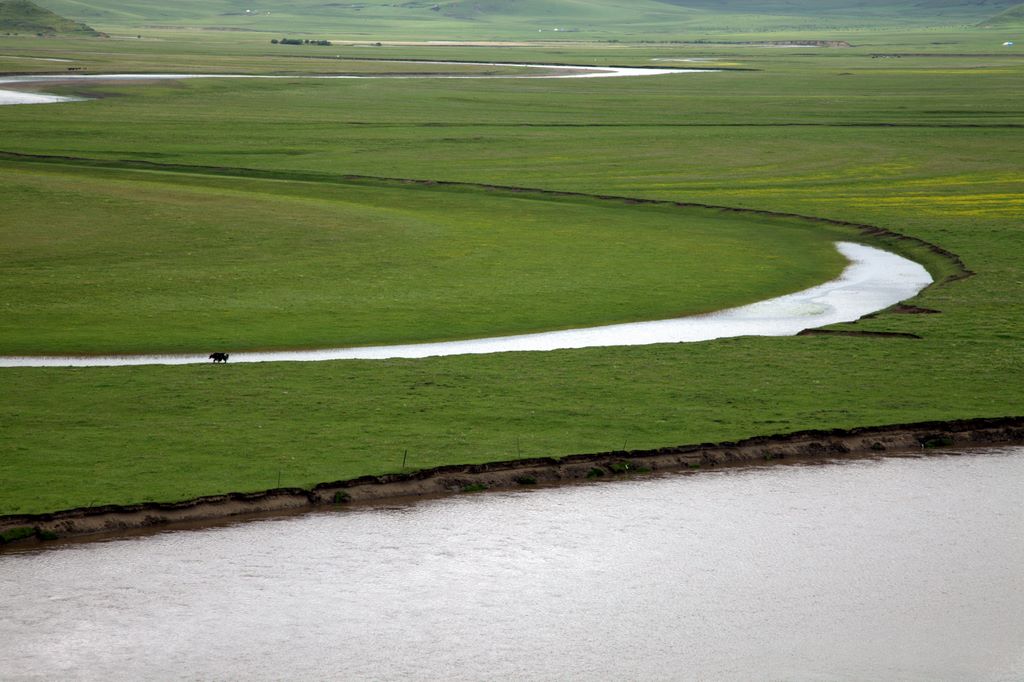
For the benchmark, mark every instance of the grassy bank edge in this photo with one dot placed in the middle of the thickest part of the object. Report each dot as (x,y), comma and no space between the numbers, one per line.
(17,531)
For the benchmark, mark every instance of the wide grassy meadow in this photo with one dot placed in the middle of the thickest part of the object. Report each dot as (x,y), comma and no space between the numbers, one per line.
(237,214)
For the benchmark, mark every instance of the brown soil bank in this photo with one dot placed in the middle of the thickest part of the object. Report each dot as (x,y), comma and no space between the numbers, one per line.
(802,445)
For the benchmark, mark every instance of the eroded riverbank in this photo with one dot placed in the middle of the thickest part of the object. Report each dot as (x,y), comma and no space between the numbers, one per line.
(455,479)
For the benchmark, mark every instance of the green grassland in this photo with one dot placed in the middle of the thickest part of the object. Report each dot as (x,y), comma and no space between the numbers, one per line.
(923,145)
(140,261)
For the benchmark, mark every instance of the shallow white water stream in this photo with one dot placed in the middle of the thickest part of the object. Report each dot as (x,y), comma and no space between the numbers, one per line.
(874,280)
(550,71)
(18,97)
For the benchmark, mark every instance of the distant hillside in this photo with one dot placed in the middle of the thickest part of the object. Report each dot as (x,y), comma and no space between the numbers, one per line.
(23,16)
(846,7)
(520,18)
(745,15)
(546,10)
(1011,17)
(804,8)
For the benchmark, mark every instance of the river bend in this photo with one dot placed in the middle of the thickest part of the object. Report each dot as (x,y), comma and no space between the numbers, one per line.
(8,96)
(875,279)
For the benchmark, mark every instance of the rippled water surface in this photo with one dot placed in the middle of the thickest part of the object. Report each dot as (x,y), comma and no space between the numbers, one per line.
(909,569)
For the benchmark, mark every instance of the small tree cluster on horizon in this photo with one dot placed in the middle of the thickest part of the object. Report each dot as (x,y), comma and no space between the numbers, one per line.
(298,41)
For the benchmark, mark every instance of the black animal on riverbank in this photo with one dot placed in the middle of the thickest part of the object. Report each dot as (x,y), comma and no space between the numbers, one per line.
(219,357)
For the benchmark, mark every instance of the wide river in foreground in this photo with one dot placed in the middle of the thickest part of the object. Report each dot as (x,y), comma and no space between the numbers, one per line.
(889,569)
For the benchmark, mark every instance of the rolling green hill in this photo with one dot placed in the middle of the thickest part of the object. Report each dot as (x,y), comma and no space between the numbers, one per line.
(1014,16)
(519,18)
(23,16)
(919,8)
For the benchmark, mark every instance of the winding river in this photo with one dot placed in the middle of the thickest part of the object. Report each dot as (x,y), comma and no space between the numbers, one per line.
(875,279)
(891,569)
(901,568)
(8,96)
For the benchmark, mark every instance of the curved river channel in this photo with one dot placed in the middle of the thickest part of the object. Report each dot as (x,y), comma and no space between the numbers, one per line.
(891,569)
(546,71)
(874,280)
